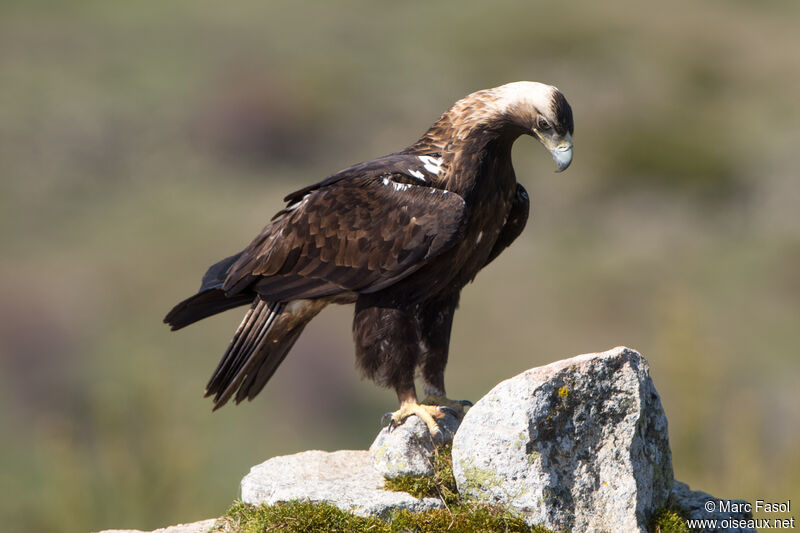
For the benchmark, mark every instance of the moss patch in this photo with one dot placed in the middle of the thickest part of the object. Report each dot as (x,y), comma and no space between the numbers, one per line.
(296,517)
(441,485)
(304,517)
(667,520)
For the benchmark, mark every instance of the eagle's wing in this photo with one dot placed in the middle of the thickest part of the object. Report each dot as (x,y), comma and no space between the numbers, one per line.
(515,223)
(360,230)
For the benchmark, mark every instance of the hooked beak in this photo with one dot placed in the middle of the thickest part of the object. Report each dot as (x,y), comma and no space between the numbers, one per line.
(562,154)
(561,149)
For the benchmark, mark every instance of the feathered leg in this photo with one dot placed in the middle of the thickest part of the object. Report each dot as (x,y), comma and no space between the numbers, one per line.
(388,342)
(435,318)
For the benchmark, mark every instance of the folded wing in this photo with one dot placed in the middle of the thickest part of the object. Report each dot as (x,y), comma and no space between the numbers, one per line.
(359,233)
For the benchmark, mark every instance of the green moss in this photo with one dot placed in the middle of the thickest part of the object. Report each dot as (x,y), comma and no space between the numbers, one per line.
(304,517)
(462,518)
(667,520)
(441,485)
(296,517)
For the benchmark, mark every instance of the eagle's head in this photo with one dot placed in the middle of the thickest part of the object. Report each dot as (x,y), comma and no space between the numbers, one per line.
(535,109)
(508,111)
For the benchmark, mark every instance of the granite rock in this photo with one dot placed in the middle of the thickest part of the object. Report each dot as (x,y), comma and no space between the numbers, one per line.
(580,444)
(692,505)
(408,448)
(346,479)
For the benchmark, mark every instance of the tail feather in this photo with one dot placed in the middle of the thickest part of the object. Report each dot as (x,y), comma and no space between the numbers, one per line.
(242,352)
(202,305)
(259,377)
(254,325)
(210,299)
(260,344)
(246,355)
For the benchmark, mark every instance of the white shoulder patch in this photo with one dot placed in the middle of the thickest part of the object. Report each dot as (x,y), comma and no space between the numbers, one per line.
(387,180)
(432,164)
(417,174)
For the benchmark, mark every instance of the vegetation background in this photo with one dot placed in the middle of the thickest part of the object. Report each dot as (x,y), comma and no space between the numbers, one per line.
(142,141)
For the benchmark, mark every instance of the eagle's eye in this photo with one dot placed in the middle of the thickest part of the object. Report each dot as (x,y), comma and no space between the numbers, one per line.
(542,124)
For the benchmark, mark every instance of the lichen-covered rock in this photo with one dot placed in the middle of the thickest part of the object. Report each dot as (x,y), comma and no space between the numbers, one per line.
(345,478)
(580,445)
(694,504)
(408,448)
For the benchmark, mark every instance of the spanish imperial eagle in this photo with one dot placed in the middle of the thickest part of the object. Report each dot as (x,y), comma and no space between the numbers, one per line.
(399,236)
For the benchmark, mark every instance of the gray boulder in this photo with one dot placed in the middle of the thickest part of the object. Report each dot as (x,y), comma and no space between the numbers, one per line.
(345,479)
(694,504)
(580,444)
(408,448)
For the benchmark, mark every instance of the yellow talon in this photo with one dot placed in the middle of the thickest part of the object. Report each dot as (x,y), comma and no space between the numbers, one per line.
(457,407)
(428,410)
(428,414)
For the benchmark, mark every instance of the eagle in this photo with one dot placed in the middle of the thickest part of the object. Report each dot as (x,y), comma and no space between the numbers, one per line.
(399,237)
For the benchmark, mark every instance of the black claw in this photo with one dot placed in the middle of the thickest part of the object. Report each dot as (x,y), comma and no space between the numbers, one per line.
(386,420)
(465,403)
(449,409)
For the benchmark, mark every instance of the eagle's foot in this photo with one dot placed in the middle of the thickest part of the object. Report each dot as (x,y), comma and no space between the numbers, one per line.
(457,407)
(428,414)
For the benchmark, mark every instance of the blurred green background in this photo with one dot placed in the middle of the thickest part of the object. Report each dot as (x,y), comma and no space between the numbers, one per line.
(142,141)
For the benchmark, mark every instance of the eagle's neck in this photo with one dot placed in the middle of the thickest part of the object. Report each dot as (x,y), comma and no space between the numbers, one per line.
(471,138)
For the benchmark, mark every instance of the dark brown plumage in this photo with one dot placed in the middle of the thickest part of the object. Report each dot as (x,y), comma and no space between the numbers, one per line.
(399,236)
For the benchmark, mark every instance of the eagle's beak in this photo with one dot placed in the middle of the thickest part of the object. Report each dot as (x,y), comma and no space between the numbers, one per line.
(562,152)
(561,148)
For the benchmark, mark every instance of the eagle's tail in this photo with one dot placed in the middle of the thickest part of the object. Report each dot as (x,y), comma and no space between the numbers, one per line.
(210,299)
(204,304)
(260,344)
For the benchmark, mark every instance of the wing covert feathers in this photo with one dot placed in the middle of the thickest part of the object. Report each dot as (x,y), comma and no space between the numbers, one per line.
(355,235)
(515,223)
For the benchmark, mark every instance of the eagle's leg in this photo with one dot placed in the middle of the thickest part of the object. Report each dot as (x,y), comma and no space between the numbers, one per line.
(435,319)
(387,340)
